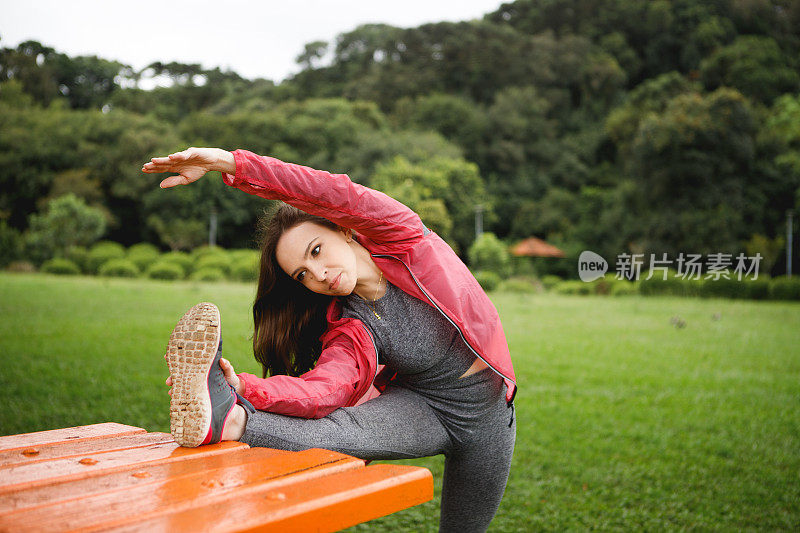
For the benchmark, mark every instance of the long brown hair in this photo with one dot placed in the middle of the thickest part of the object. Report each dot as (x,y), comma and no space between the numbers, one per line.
(288,317)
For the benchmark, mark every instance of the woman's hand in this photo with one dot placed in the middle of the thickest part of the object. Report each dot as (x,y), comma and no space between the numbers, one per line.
(191,165)
(230,375)
(227,370)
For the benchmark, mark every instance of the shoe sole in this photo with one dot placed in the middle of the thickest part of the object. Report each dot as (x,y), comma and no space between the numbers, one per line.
(191,350)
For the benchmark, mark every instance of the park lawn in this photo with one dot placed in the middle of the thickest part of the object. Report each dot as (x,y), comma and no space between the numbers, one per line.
(623,421)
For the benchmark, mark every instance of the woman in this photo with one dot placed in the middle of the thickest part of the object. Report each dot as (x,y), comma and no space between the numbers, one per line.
(351,278)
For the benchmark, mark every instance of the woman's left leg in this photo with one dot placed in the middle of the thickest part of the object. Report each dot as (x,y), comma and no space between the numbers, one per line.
(398,424)
(476,472)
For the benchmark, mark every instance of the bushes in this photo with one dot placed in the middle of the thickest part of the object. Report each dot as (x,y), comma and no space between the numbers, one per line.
(488,280)
(517,285)
(723,288)
(549,281)
(215,264)
(207,274)
(623,288)
(182,259)
(244,265)
(605,286)
(203,251)
(108,258)
(11,244)
(673,285)
(61,266)
(747,288)
(142,255)
(101,253)
(121,268)
(488,254)
(784,288)
(573,287)
(166,270)
(216,261)
(80,256)
(757,289)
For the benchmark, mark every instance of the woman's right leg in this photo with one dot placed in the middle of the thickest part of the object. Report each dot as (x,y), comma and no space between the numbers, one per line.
(398,424)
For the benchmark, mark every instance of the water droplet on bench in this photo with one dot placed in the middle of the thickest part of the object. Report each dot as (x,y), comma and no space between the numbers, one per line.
(212,483)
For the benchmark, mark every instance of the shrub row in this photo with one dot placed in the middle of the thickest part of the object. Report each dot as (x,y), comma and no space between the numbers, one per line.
(761,288)
(213,263)
(144,260)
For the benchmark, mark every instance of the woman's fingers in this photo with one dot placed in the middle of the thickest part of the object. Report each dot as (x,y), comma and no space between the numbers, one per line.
(168,163)
(173,181)
(155,168)
(178,156)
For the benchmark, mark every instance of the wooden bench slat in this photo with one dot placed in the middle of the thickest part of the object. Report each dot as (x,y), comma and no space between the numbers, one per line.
(25,476)
(325,504)
(130,476)
(67,449)
(53,436)
(255,470)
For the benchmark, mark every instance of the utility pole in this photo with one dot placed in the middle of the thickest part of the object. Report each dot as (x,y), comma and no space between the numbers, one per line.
(478,220)
(789,214)
(212,227)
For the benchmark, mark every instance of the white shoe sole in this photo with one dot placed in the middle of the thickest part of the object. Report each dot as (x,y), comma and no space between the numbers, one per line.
(191,350)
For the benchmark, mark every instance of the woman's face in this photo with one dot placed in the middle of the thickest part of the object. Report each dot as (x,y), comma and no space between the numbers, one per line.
(320,258)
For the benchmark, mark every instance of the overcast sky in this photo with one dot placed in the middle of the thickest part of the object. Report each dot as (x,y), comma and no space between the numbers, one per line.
(254,39)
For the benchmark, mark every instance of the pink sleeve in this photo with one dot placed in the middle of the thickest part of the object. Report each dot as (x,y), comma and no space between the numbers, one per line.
(336,381)
(371,393)
(332,196)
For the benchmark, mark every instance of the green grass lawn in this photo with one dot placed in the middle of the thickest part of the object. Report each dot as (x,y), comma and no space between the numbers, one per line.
(624,421)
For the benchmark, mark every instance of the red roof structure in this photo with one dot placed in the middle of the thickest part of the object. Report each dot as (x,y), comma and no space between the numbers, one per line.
(534,247)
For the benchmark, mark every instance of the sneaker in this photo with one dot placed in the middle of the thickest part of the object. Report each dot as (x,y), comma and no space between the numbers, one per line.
(202,399)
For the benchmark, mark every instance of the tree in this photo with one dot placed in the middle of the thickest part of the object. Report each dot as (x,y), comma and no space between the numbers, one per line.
(754,65)
(457,118)
(487,253)
(67,222)
(783,127)
(36,143)
(28,65)
(87,81)
(692,164)
(447,190)
(416,186)
(312,53)
(179,234)
(769,249)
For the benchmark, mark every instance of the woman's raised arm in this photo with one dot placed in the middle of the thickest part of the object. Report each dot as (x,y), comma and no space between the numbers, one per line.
(333,196)
(191,165)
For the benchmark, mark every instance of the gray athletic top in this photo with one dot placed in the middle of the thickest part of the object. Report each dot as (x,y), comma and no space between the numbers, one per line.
(418,342)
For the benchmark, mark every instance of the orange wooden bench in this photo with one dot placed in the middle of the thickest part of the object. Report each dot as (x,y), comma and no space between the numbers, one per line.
(116,477)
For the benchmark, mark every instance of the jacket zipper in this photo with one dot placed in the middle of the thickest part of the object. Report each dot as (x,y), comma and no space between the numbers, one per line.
(447,317)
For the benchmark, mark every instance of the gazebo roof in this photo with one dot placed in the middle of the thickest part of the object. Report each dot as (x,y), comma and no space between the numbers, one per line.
(536,248)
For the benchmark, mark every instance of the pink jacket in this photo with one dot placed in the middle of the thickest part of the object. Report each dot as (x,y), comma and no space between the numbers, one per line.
(411,256)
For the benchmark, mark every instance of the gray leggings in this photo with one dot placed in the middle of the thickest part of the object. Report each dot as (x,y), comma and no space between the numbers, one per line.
(471,424)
